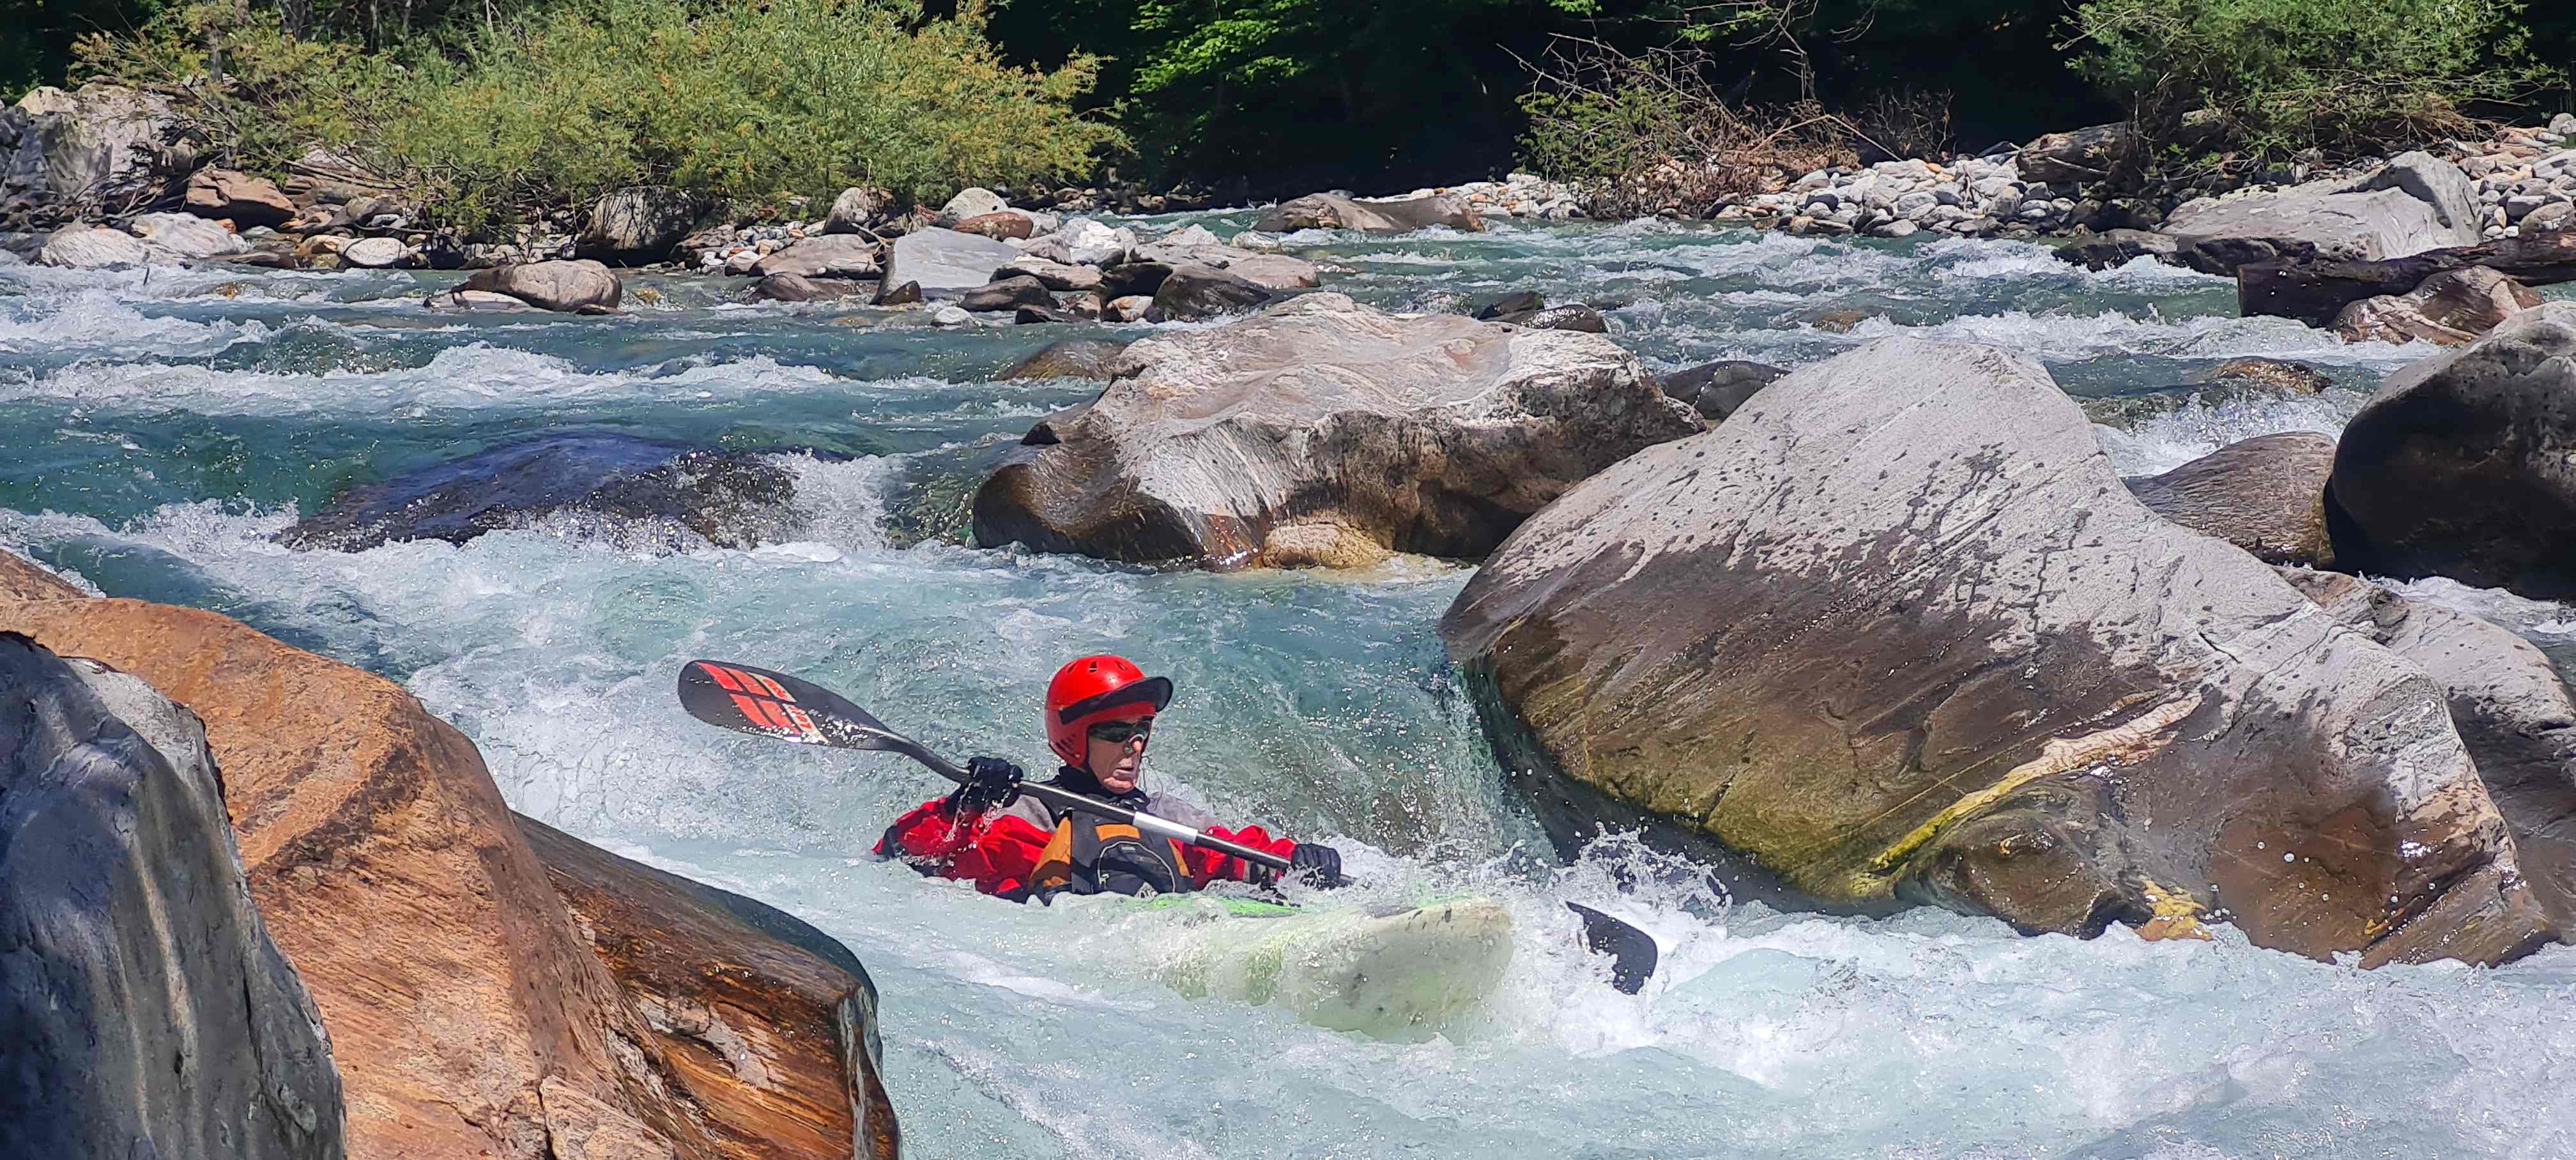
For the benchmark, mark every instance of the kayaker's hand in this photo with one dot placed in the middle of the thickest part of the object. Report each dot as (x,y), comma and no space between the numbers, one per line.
(1318,866)
(991,784)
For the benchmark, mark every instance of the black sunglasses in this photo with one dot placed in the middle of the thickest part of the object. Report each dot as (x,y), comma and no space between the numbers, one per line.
(1121,732)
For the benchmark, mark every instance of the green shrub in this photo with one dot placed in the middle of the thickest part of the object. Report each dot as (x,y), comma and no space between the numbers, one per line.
(2348,77)
(748,102)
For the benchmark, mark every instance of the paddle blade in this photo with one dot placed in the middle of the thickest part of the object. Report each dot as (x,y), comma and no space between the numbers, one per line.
(750,700)
(1632,952)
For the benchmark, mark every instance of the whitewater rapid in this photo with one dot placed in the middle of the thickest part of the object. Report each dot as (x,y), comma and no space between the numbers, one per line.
(163,426)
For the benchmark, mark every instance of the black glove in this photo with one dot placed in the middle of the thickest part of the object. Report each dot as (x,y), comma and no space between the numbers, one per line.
(991,784)
(1318,866)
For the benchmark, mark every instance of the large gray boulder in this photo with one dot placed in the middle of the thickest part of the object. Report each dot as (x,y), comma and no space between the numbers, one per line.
(2510,706)
(148,1013)
(101,151)
(639,224)
(583,286)
(2417,202)
(2464,464)
(185,235)
(95,248)
(2078,156)
(1197,247)
(1084,242)
(1324,433)
(1896,632)
(945,263)
(829,256)
(1332,211)
(971,202)
(2266,495)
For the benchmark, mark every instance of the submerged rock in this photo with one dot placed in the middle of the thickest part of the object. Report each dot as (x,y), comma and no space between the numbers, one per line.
(1323,432)
(1896,632)
(1716,389)
(2266,495)
(148,1012)
(769,1024)
(1069,358)
(2459,465)
(662,488)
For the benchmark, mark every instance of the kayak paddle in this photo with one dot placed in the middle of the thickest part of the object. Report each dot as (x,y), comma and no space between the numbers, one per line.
(770,704)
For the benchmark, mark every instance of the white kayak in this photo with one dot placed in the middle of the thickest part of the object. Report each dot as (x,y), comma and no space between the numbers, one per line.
(1382,969)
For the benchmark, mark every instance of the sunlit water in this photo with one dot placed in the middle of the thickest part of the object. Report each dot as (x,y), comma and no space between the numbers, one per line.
(160,427)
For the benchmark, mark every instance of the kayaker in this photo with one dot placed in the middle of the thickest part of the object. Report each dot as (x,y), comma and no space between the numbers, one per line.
(1099,719)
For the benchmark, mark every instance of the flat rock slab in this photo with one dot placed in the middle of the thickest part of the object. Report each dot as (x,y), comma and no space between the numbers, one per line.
(2460,465)
(829,256)
(1896,632)
(1332,211)
(1323,432)
(945,263)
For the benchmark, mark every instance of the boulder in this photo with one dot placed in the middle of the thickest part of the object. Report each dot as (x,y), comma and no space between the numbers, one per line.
(582,286)
(1069,358)
(1270,271)
(98,152)
(1084,242)
(639,224)
(2407,207)
(93,248)
(2511,709)
(244,199)
(2279,376)
(1133,278)
(1716,389)
(893,293)
(24,580)
(798,288)
(1574,316)
(1897,633)
(829,256)
(1003,226)
(149,1013)
(1323,432)
(1519,302)
(185,235)
(1332,211)
(656,491)
(945,263)
(1053,274)
(2235,381)
(374,253)
(2459,464)
(970,202)
(770,1024)
(2266,495)
(466,1016)
(856,210)
(1127,308)
(2316,292)
(2084,155)
(2120,247)
(2451,308)
(1007,294)
(1206,292)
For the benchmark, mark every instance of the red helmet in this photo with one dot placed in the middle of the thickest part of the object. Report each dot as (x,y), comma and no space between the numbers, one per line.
(1095,689)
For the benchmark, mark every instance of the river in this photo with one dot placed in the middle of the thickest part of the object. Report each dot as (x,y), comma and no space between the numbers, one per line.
(162,425)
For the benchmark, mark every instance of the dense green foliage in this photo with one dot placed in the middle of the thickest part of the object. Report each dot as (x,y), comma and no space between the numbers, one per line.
(747,102)
(2289,75)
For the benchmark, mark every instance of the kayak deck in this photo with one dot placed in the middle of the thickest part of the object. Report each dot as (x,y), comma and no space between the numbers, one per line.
(1381,969)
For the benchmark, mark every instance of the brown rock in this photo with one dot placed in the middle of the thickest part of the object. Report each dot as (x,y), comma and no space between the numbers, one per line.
(247,200)
(2266,495)
(24,580)
(2315,292)
(2451,308)
(767,1021)
(2279,376)
(1008,294)
(1002,226)
(466,1017)
(2082,155)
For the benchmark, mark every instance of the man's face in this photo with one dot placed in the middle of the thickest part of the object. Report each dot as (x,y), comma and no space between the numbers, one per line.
(1117,764)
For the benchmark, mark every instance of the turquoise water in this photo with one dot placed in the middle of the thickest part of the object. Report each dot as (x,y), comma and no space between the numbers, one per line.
(162,427)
